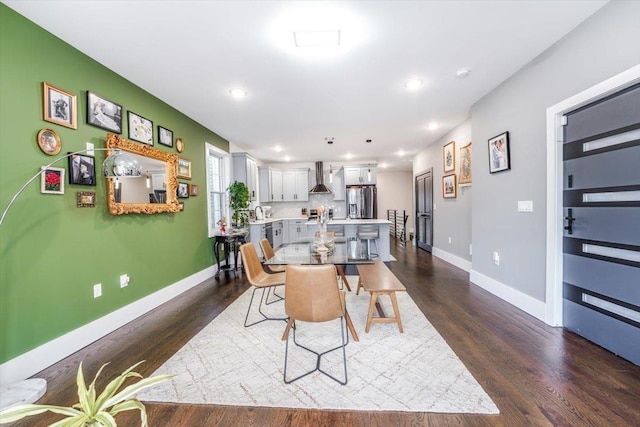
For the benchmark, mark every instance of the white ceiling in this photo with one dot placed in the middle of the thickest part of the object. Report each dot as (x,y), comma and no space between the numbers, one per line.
(191,53)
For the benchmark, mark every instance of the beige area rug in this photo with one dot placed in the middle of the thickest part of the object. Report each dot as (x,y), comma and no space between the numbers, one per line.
(228,364)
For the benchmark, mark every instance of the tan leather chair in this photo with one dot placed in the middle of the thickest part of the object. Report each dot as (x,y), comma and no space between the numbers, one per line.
(267,253)
(259,279)
(339,268)
(312,295)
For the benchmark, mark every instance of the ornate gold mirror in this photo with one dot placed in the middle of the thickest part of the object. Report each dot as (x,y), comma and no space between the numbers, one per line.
(154,191)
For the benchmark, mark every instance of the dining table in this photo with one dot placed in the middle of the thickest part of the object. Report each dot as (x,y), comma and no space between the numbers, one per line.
(311,251)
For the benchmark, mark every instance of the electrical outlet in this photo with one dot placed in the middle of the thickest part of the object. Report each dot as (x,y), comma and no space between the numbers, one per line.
(496,258)
(449,239)
(124,280)
(97,290)
(525,205)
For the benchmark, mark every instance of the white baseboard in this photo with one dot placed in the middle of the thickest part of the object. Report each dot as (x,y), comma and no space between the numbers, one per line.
(452,259)
(514,297)
(34,361)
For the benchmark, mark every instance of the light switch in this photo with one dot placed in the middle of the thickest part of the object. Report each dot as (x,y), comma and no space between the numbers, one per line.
(89,149)
(525,206)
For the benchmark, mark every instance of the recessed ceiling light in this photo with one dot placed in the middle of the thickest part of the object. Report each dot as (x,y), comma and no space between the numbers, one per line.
(316,38)
(287,158)
(432,126)
(348,156)
(413,84)
(400,153)
(238,93)
(277,148)
(368,141)
(462,73)
(383,165)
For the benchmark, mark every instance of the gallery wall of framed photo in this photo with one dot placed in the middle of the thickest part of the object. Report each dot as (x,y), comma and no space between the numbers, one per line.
(84,101)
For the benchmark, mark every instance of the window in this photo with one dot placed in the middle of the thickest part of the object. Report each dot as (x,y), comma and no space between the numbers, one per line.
(217,183)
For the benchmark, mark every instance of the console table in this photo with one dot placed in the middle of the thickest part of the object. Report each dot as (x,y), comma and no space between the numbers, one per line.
(224,245)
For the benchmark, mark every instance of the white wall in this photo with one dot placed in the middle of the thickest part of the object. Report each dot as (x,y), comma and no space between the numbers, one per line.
(451,217)
(395,192)
(602,46)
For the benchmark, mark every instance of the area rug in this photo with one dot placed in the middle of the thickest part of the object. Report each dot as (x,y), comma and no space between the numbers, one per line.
(414,371)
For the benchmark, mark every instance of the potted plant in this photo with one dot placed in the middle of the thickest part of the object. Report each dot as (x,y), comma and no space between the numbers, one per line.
(92,411)
(239,200)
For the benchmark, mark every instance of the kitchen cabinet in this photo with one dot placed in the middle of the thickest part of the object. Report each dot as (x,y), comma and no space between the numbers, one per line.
(297,229)
(284,185)
(336,184)
(360,175)
(245,169)
(278,234)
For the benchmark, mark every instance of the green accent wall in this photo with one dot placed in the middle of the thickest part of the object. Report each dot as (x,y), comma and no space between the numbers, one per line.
(52,252)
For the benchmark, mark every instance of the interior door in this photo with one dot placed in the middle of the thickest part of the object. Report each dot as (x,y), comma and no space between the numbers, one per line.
(601,242)
(424,210)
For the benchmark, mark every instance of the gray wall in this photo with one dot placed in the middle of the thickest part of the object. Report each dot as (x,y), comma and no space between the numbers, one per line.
(452,217)
(602,46)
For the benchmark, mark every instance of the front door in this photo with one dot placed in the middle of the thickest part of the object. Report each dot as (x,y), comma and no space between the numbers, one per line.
(601,205)
(424,208)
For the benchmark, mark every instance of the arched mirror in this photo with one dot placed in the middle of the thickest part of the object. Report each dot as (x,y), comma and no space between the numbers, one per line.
(154,191)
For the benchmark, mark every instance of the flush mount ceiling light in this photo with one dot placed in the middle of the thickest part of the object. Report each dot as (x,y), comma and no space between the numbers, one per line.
(432,126)
(462,73)
(238,93)
(413,84)
(316,38)
(329,140)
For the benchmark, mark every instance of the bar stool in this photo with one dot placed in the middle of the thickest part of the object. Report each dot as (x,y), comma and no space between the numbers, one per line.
(369,232)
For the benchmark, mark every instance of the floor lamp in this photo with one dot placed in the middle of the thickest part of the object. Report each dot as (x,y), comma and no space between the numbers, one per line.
(117,165)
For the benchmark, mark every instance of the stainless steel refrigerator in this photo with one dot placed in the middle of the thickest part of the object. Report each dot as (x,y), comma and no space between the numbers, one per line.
(362,201)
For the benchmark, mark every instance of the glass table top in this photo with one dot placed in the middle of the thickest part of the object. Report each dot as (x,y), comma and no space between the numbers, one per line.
(340,250)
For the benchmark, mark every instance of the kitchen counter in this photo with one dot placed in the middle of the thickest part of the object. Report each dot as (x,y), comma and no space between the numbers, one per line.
(272,220)
(344,221)
(350,230)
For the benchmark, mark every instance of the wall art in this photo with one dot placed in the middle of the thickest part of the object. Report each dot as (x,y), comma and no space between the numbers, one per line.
(103,113)
(51,180)
(49,142)
(449,156)
(140,129)
(82,169)
(59,106)
(449,187)
(465,164)
(499,156)
(86,199)
(184,168)
(165,136)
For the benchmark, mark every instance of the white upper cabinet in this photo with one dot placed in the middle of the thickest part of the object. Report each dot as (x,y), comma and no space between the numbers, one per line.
(245,169)
(360,175)
(287,185)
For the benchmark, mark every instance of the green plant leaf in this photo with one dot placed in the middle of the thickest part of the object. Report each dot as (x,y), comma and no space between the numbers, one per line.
(131,390)
(114,385)
(16,413)
(77,421)
(106,419)
(130,405)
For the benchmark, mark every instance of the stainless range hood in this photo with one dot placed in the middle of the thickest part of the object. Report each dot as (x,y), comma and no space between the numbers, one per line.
(320,188)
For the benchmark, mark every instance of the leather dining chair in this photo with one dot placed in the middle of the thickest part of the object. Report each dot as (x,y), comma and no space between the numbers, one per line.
(312,295)
(267,253)
(260,279)
(339,268)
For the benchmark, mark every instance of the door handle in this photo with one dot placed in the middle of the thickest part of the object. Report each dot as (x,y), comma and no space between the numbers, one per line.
(570,219)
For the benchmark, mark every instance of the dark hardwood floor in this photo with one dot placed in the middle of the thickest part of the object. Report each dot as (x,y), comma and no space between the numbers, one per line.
(536,375)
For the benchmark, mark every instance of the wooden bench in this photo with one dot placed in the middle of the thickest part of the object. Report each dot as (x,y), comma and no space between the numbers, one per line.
(377,279)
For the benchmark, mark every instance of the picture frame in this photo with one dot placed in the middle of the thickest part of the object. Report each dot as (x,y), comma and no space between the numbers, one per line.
(183,190)
(86,199)
(449,157)
(184,168)
(449,186)
(82,169)
(59,106)
(165,136)
(179,145)
(49,141)
(51,180)
(104,114)
(193,190)
(499,153)
(140,128)
(465,165)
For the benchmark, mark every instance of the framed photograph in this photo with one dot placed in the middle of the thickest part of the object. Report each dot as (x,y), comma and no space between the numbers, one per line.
(184,168)
(49,142)
(51,180)
(449,156)
(140,129)
(82,169)
(183,190)
(465,165)
(449,187)
(179,145)
(193,189)
(86,199)
(499,157)
(103,113)
(59,106)
(165,136)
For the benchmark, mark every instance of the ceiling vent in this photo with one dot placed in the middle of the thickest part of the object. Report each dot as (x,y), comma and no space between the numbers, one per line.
(320,188)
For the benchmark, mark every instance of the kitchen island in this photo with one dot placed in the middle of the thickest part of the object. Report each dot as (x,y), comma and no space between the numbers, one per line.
(349,228)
